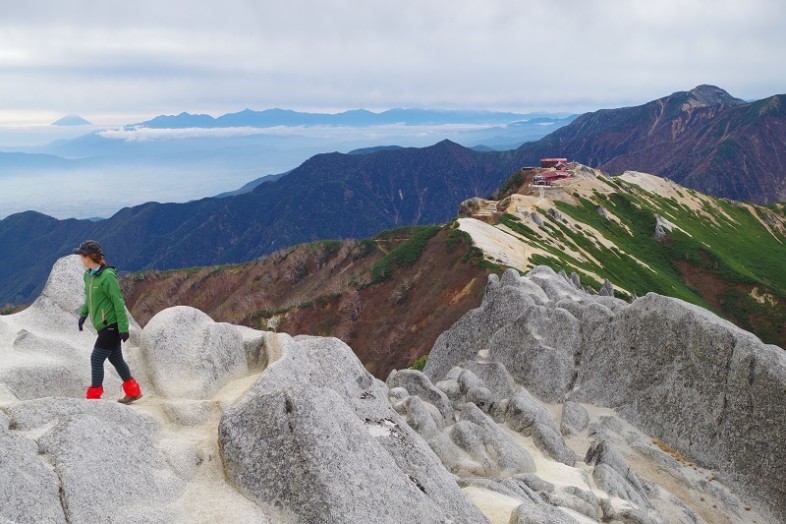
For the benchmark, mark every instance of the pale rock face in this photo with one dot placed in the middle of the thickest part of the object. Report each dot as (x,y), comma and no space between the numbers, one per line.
(537,514)
(501,306)
(489,445)
(29,488)
(416,383)
(303,437)
(189,355)
(105,461)
(494,376)
(518,411)
(57,308)
(310,457)
(349,456)
(575,418)
(705,387)
(538,345)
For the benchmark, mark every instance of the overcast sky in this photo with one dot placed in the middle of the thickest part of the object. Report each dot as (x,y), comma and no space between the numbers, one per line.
(121,60)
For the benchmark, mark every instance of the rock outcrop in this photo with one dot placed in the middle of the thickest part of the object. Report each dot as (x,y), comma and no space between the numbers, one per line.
(705,388)
(545,404)
(191,356)
(328,447)
(305,433)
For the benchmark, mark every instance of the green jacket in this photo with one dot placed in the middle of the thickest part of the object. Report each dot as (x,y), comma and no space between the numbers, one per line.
(104,301)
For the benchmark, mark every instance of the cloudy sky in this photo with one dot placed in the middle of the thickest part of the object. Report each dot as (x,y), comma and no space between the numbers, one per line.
(116,61)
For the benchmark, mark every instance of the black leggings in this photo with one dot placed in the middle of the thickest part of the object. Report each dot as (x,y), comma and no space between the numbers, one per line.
(108,346)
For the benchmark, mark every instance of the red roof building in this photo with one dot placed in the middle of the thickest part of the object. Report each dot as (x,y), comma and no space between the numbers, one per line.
(554,162)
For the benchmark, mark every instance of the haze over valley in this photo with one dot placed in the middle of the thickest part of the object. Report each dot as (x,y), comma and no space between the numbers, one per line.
(65,171)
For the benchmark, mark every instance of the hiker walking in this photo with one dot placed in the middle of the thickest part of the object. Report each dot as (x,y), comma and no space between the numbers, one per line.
(106,308)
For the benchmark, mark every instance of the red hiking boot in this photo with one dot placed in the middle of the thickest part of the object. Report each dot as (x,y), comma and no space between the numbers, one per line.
(95,393)
(132,391)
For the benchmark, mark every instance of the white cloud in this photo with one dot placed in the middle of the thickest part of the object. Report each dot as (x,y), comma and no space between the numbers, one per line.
(156,57)
(144,134)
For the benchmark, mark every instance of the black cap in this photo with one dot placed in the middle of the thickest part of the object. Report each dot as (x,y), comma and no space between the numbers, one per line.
(88,247)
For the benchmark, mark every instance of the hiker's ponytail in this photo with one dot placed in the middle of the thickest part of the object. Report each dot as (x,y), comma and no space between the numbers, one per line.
(98,258)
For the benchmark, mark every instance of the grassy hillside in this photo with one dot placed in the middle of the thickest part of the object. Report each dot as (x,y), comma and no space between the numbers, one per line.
(723,255)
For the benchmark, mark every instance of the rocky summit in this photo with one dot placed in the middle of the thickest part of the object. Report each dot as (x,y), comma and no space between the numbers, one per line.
(545,404)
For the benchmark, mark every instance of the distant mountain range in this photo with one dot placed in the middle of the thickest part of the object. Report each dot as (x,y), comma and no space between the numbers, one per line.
(353,118)
(334,196)
(329,196)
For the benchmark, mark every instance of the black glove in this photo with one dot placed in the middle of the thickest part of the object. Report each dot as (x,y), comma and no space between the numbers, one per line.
(81,322)
(124,337)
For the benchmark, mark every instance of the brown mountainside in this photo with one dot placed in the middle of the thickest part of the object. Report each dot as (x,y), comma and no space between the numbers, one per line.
(334,288)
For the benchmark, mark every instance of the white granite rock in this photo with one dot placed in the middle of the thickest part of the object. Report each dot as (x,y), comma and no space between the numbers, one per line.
(190,356)
(29,488)
(303,437)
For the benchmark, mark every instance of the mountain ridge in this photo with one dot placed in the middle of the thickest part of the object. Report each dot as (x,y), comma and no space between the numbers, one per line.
(321,199)
(342,196)
(355,117)
(626,236)
(731,149)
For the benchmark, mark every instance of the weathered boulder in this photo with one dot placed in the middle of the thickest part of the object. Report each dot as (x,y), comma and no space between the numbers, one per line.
(575,418)
(525,412)
(610,481)
(575,280)
(579,500)
(57,307)
(538,219)
(704,386)
(468,380)
(398,394)
(190,356)
(538,348)
(300,442)
(35,367)
(421,417)
(450,388)
(707,388)
(494,451)
(494,376)
(29,489)
(471,333)
(417,383)
(42,352)
(61,298)
(312,459)
(482,397)
(534,482)
(261,347)
(102,448)
(507,487)
(539,514)
(613,475)
(633,515)
(551,442)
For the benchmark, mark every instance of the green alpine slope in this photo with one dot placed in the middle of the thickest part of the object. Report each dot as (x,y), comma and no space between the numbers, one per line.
(643,234)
